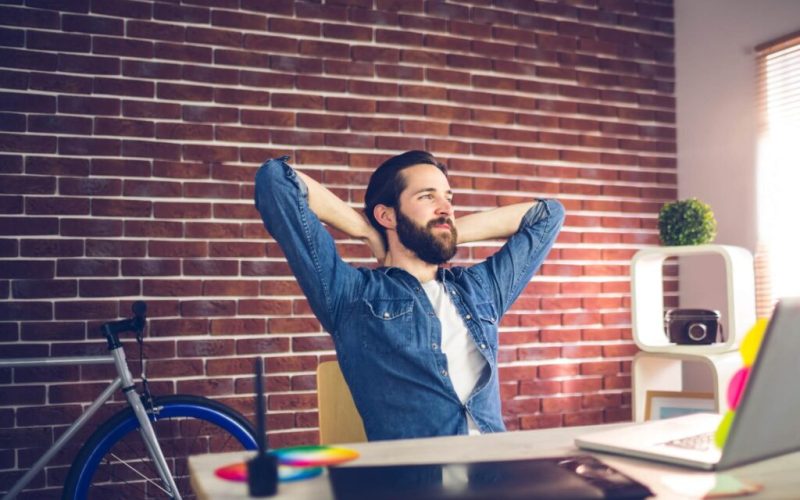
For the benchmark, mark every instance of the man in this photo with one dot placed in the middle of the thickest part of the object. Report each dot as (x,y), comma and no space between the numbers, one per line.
(417,343)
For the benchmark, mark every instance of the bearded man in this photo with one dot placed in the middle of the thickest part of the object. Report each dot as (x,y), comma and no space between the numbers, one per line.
(416,340)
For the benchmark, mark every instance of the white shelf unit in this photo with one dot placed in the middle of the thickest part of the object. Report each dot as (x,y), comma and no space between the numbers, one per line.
(660,365)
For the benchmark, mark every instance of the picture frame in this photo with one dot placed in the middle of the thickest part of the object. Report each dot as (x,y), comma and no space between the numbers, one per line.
(667,404)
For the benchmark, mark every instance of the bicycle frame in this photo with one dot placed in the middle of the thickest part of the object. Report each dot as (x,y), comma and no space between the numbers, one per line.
(123,381)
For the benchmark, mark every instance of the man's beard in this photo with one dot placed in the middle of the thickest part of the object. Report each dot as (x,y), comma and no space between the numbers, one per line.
(423,242)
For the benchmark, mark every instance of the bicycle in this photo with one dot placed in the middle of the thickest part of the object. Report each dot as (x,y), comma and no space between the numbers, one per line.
(141,450)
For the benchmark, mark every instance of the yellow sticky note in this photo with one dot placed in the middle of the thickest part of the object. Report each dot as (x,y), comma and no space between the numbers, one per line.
(752,341)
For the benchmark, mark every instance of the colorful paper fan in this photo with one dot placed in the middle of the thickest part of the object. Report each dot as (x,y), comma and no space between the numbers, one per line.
(314,456)
(296,463)
(238,472)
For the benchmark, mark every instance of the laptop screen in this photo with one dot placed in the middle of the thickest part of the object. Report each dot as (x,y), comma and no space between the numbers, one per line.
(766,422)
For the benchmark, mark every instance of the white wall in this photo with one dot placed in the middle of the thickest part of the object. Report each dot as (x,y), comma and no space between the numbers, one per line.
(717,116)
(717,127)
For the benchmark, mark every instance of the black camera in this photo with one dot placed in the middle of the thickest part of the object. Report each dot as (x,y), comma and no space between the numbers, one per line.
(692,326)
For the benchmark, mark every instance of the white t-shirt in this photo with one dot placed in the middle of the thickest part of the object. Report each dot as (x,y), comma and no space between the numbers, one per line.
(465,363)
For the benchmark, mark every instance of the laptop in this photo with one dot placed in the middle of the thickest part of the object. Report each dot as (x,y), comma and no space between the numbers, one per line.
(766,422)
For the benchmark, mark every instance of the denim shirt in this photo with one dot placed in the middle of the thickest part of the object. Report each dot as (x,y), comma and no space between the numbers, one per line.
(385,332)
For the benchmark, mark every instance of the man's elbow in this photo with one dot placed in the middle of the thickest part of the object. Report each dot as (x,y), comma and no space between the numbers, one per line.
(557,210)
(268,181)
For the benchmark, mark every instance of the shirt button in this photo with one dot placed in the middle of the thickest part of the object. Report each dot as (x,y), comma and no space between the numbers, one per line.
(386,315)
(452,292)
(483,346)
(435,346)
(444,373)
(468,316)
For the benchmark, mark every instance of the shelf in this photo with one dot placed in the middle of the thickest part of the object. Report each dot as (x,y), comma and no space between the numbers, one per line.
(662,371)
(647,297)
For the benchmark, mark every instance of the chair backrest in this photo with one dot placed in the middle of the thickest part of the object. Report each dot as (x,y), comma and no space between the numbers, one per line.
(339,421)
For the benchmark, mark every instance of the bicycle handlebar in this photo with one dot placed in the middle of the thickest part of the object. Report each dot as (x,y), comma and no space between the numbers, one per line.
(112,329)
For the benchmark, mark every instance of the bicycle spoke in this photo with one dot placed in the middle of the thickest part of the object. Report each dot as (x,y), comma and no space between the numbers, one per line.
(140,474)
(115,485)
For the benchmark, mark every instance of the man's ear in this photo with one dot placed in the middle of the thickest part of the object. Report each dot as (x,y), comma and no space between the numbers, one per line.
(385,216)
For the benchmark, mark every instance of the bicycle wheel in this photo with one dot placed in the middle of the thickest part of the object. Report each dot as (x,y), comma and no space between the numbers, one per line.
(114,462)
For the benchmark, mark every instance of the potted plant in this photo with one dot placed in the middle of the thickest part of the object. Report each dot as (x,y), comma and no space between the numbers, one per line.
(686,222)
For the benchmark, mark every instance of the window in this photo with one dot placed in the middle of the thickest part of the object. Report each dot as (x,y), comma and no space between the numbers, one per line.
(778,177)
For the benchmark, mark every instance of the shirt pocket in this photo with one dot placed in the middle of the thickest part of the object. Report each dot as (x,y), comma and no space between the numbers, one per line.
(489,321)
(388,324)
(486,312)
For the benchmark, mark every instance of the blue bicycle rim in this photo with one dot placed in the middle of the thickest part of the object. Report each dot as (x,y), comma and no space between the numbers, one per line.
(167,410)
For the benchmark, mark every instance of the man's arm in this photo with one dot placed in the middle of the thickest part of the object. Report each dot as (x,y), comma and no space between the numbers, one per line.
(506,273)
(333,211)
(328,282)
(499,222)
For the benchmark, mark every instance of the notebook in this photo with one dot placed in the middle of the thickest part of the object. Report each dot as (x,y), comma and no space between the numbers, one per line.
(765,425)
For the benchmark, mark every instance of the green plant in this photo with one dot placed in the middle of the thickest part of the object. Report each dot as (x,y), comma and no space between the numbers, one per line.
(686,222)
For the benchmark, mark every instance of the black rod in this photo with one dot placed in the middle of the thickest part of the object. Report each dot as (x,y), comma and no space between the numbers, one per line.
(261,418)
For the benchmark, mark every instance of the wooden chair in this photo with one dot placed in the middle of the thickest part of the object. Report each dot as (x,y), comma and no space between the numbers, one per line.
(339,421)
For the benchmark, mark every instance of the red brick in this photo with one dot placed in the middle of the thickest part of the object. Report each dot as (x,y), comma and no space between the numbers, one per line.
(151,109)
(522,405)
(540,421)
(561,370)
(172,288)
(424,57)
(109,288)
(265,307)
(214,114)
(209,230)
(583,418)
(540,387)
(191,308)
(300,344)
(150,267)
(164,229)
(582,385)
(86,310)
(176,327)
(178,210)
(293,325)
(561,404)
(16,311)
(600,368)
(234,288)
(175,368)
(205,348)
(538,353)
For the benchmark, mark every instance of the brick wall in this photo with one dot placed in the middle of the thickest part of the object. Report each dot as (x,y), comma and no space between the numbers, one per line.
(130,132)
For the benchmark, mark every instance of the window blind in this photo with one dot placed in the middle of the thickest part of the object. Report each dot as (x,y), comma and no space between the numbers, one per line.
(778,171)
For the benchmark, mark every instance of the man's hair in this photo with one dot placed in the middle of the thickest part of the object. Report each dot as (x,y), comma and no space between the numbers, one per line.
(386,184)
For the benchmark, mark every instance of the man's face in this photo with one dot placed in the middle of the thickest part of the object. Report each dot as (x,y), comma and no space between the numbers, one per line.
(425,222)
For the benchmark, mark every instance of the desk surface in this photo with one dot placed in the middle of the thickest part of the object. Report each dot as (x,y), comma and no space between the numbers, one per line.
(779,476)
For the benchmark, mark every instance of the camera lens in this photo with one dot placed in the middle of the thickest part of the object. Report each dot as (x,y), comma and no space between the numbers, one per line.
(697,331)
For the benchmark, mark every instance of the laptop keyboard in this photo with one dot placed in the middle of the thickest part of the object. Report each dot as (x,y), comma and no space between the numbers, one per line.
(700,442)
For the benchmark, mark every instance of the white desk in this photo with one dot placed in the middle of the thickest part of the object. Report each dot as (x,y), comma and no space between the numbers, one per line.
(780,476)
